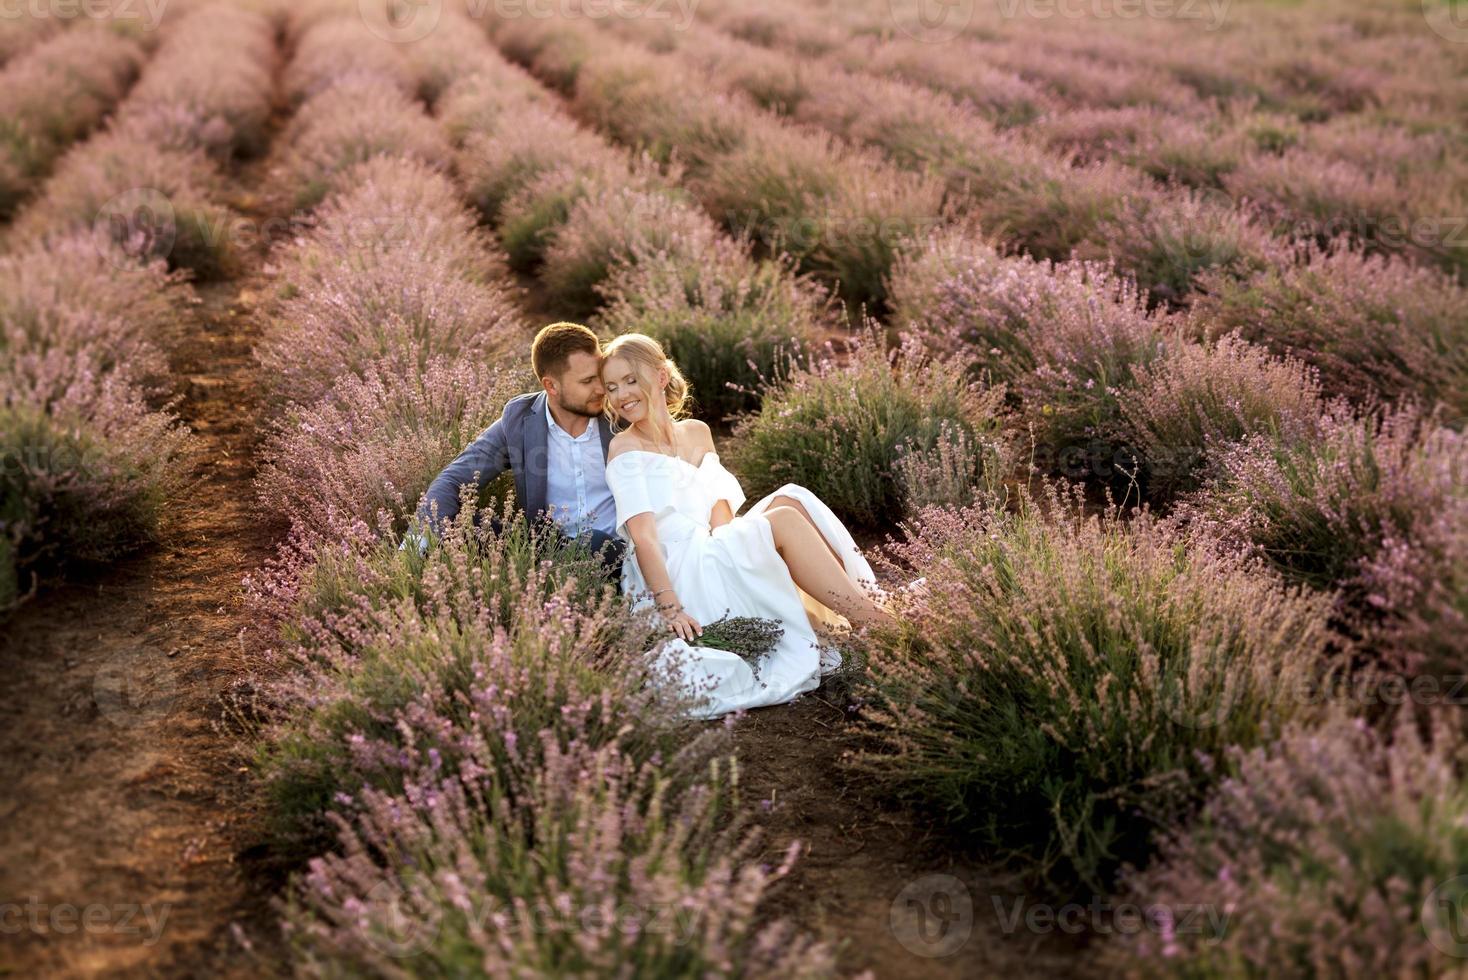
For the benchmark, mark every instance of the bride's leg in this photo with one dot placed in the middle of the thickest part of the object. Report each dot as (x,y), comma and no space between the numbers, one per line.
(783,501)
(816,570)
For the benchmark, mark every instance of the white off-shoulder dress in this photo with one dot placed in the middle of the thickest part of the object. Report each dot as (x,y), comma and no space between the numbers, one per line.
(732,569)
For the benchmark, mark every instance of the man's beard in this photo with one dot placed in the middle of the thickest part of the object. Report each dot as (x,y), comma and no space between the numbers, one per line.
(582,409)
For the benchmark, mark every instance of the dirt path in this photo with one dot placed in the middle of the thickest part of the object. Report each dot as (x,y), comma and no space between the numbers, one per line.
(124,804)
(879,883)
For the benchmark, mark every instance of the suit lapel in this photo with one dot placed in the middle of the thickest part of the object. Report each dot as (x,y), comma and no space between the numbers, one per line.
(536,436)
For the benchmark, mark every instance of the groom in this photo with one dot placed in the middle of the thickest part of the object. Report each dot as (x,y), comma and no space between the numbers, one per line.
(554,441)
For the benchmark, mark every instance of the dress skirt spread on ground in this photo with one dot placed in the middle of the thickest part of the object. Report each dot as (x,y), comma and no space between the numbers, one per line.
(733,569)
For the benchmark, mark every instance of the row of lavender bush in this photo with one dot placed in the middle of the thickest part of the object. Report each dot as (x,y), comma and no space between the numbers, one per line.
(1171,256)
(1030,199)
(1307,169)
(1373,324)
(60,90)
(20,34)
(842,214)
(88,460)
(152,178)
(92,450)
(1337,850)
(1291,70)
(609,236)
(1165,712)
(391,285)
(1106,389)
(476,727)
(1098,386)
(1313,61)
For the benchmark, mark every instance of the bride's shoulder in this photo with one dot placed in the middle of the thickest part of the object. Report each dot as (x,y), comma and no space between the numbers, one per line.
(696,431)
(623,444)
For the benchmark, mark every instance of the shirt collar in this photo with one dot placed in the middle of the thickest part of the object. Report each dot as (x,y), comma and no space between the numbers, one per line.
(550,421)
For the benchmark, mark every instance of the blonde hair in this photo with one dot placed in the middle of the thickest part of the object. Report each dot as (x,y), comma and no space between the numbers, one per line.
(646,356)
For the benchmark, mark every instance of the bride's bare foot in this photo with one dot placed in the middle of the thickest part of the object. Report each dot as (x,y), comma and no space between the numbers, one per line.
(874,614)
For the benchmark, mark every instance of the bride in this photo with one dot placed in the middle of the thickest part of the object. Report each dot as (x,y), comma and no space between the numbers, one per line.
(787,558)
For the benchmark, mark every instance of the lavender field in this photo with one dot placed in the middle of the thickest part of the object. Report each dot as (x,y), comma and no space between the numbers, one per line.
(1130,337)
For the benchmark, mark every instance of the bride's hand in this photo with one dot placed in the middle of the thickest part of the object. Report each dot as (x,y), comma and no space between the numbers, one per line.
(683,624)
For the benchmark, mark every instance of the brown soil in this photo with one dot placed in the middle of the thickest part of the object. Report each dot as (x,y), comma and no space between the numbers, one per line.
(125,798)
(881,884)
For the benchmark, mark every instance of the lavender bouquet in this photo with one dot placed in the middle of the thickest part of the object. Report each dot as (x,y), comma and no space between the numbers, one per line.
(750,637)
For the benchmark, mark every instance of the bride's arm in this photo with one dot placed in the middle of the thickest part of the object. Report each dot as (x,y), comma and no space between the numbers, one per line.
(648,553)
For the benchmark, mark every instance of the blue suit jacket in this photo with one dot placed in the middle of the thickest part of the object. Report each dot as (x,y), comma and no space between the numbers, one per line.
(516,440)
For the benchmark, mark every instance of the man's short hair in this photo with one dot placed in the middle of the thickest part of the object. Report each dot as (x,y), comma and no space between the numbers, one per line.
(554,345)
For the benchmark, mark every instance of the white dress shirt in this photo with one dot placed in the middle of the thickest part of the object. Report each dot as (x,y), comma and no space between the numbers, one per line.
(576,493)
